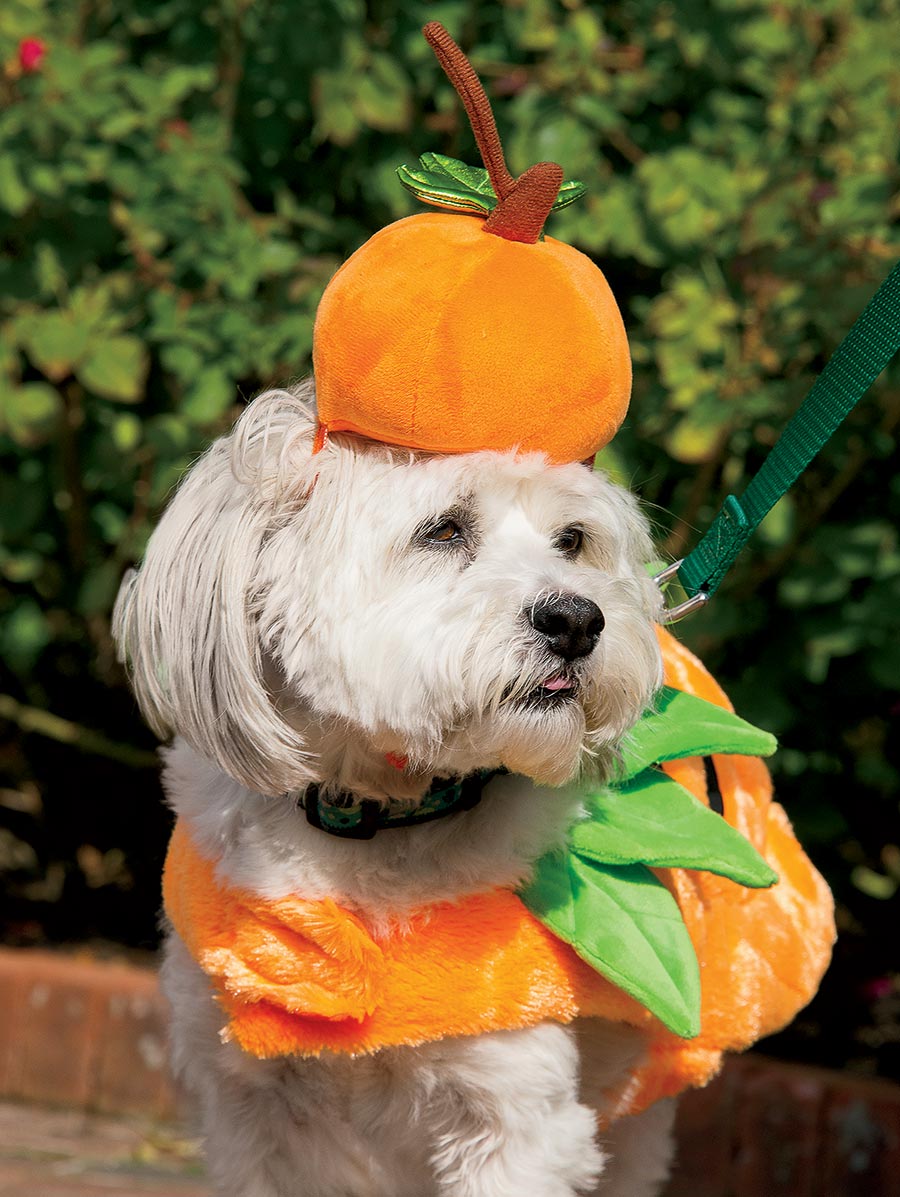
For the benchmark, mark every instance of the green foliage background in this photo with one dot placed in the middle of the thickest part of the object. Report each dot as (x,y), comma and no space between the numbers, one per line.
(178,181)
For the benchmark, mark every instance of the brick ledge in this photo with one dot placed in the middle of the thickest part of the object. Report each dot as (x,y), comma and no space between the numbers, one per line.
(82,1033)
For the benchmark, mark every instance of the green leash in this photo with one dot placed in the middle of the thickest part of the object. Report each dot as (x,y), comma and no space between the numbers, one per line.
(856,363)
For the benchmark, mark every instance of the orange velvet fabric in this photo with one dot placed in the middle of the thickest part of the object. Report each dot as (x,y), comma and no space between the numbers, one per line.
(300,977)
(437,335)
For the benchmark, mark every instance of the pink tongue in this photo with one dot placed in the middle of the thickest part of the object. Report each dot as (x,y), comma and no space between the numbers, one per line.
(558,683)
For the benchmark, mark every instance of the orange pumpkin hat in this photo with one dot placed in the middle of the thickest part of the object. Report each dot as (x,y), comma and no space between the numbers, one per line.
(453,333)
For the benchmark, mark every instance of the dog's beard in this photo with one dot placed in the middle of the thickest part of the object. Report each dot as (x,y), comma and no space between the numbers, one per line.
(546,743)
(544,718)
(556,721)
(514,706)
(547,718)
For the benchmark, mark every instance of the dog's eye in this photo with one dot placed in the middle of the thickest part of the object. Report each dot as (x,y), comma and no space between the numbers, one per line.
(569,541)
(454,531)
(444,533)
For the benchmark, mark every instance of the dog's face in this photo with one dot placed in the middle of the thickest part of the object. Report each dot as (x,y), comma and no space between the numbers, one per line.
(464,611)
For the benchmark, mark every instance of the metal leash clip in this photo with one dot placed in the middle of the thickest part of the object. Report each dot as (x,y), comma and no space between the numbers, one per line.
(674,614)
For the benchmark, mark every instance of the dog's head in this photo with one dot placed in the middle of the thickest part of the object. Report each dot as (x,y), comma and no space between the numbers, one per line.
(465,611)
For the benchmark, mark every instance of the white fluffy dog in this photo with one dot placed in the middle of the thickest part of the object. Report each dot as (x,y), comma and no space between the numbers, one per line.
(299,618)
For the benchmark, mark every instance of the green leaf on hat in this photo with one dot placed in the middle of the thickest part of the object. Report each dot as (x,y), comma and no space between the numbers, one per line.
(474,178)
(626,924)
(569,191)
(449,183)
(439,189)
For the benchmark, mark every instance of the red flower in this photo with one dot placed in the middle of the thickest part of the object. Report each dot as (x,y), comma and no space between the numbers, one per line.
(31,54)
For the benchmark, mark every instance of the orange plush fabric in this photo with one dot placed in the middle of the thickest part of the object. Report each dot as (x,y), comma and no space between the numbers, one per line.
(297,976)
(438,335)
(300,977)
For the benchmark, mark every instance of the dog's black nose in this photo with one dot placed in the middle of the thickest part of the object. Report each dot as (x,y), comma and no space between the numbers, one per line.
(571,624)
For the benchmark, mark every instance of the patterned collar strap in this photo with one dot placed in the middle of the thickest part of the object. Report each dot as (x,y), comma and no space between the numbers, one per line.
(351,817)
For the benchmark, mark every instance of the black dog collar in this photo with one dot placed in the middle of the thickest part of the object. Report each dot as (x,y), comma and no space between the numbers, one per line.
(351,817)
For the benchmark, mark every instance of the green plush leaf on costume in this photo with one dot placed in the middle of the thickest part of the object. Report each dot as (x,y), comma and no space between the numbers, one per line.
(626,924)
(683,725)
(658,822)
(600,896)
(449,183)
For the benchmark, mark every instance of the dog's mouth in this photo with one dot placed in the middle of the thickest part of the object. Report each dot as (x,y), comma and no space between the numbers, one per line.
(555,691)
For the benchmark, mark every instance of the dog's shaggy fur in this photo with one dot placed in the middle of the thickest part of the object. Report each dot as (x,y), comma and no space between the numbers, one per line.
(299,617)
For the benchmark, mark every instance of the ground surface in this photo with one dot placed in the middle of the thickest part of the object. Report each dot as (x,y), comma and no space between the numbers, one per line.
(64,1153)
(763,1139)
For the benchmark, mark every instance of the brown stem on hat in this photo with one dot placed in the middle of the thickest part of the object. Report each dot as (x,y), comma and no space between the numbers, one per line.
(524,203)
(521,216)
(462,75)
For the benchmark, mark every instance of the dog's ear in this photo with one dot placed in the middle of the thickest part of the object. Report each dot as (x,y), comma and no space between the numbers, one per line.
(184,622)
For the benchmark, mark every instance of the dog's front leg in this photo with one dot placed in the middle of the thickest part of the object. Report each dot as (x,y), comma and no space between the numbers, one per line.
(506,1120)
(272,1128)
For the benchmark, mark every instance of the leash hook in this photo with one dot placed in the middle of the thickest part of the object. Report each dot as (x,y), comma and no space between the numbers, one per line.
(672,615)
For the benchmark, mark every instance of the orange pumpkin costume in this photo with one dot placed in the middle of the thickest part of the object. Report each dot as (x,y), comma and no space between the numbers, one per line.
(299,977)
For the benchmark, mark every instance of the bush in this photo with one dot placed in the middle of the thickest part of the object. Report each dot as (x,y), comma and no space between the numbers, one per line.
(179,181)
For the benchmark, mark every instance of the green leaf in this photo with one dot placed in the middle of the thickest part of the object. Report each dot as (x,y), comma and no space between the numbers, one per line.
(694,438)
(449,183)
(118,125)
(111,520)
(438,189)
(570,191)
(48,270)
(381,95)
(115,367)
(872,884)
(683,725)
(336,116)
(31,413)
(24,633)
(14,195)
(657,822)
(126,432)
(20,567)
(626,925)
(778,525)
(210,397)
(473,178)
(55,342)
(183,360)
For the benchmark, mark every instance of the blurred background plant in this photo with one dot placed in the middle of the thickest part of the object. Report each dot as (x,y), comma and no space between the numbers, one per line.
(177,183)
